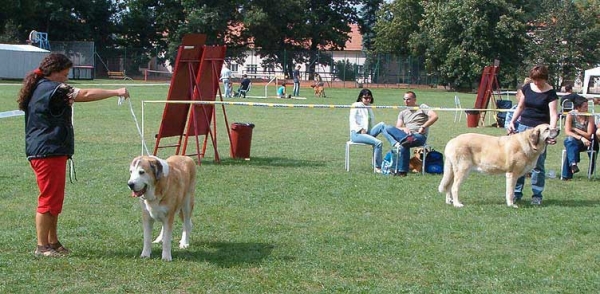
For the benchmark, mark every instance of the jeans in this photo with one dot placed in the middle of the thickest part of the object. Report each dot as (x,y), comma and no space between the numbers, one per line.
(296,88)
(227,86)
(573,148)
(396,135)
(538,174)
(370,139)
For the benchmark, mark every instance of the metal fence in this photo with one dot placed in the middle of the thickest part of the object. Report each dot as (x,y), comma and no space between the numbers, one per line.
(353,67)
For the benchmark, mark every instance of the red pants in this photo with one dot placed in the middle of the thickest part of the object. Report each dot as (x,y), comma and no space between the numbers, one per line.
(50,173)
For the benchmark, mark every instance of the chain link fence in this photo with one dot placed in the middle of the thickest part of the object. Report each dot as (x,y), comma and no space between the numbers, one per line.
(345,68)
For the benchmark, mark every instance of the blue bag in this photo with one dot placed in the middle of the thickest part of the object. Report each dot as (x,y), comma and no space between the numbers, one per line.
(434,163)
(388,165)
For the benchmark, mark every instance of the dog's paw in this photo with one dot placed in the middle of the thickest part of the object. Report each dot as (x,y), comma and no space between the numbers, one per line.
(145,255)
(167,257)
(184,245)
(513,205)
(457,204)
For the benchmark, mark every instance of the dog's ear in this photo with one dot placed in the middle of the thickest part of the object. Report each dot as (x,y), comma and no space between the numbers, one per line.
(157,169)
(534,138)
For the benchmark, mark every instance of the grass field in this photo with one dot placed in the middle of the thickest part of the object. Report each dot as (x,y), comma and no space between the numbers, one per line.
(291,219)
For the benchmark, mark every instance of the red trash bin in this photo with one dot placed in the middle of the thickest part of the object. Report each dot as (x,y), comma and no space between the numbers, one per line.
(472,118)
(241,139)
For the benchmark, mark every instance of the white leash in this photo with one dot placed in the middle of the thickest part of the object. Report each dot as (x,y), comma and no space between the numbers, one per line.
(121,99)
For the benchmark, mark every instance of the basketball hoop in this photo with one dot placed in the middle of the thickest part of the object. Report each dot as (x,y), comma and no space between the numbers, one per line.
(33,37)
(40,38)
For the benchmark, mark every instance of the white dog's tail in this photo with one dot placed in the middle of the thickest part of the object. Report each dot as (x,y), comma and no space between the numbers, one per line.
(448,177)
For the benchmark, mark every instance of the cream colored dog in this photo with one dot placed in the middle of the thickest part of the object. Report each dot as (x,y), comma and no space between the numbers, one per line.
(165,188)
(513,155)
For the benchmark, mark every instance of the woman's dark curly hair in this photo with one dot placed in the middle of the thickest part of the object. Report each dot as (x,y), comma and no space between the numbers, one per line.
(55,62)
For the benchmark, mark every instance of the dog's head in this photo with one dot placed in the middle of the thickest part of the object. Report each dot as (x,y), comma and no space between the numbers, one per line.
(419,151)
(145,172)
(542,135)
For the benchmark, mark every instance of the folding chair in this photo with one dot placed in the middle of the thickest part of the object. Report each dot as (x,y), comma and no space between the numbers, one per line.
(458,112)
(591,154)
(347,161)
(566,106)
(243,92)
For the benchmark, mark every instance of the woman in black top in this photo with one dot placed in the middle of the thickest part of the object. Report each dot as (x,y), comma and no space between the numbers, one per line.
(538,106)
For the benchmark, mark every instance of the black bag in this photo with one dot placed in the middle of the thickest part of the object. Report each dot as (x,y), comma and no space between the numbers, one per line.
(434,162)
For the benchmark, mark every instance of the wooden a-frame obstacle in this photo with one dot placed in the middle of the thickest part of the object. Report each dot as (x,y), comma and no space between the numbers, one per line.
(489,82)
(195,78)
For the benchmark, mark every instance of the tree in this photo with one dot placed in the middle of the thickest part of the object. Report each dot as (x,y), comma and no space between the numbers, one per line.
(291,32)
(459,37)
(149,26)
(63,20)
(396,21)
(565,38)
(367,21)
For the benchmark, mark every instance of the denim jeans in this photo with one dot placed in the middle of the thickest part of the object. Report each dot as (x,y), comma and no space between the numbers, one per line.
(370,139)
(538,174)
(396,135)
(227,86)
(296,91)
(573,148)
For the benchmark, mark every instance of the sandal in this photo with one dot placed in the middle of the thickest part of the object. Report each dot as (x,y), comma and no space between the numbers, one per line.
(46,251)
(59,248)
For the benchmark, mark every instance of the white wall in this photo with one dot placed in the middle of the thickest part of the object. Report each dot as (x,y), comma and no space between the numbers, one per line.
(18,60)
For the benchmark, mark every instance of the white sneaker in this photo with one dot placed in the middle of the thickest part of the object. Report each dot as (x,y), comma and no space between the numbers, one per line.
(377,170)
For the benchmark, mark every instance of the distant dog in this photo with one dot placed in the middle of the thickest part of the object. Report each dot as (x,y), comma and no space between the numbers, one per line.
(165,188)
(319,90)
(512,155)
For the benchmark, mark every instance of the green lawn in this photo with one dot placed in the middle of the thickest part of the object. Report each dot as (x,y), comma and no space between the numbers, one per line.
(291,219)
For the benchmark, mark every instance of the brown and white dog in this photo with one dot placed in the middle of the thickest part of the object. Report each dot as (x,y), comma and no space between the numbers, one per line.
(415,164)
(513,155)
(319,90)
(165,188)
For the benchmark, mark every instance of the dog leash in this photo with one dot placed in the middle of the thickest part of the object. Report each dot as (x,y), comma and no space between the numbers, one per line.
(120,102)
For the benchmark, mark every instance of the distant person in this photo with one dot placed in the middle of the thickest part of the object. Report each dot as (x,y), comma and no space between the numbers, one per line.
(244,86)
(296,77)
(319,86)
(49,140)
(538,106)
(570,96)
(226,79)
(281,91)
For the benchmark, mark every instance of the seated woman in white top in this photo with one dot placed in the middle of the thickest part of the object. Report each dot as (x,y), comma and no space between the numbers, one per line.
(362,128)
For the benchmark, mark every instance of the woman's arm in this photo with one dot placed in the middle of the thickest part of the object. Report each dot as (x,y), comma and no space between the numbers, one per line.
(516,114)
(553,113)
(88,95)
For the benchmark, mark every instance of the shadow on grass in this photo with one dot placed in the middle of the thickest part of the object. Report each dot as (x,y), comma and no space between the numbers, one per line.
(226,254)
(266,161)
(223,254)
(570,203)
